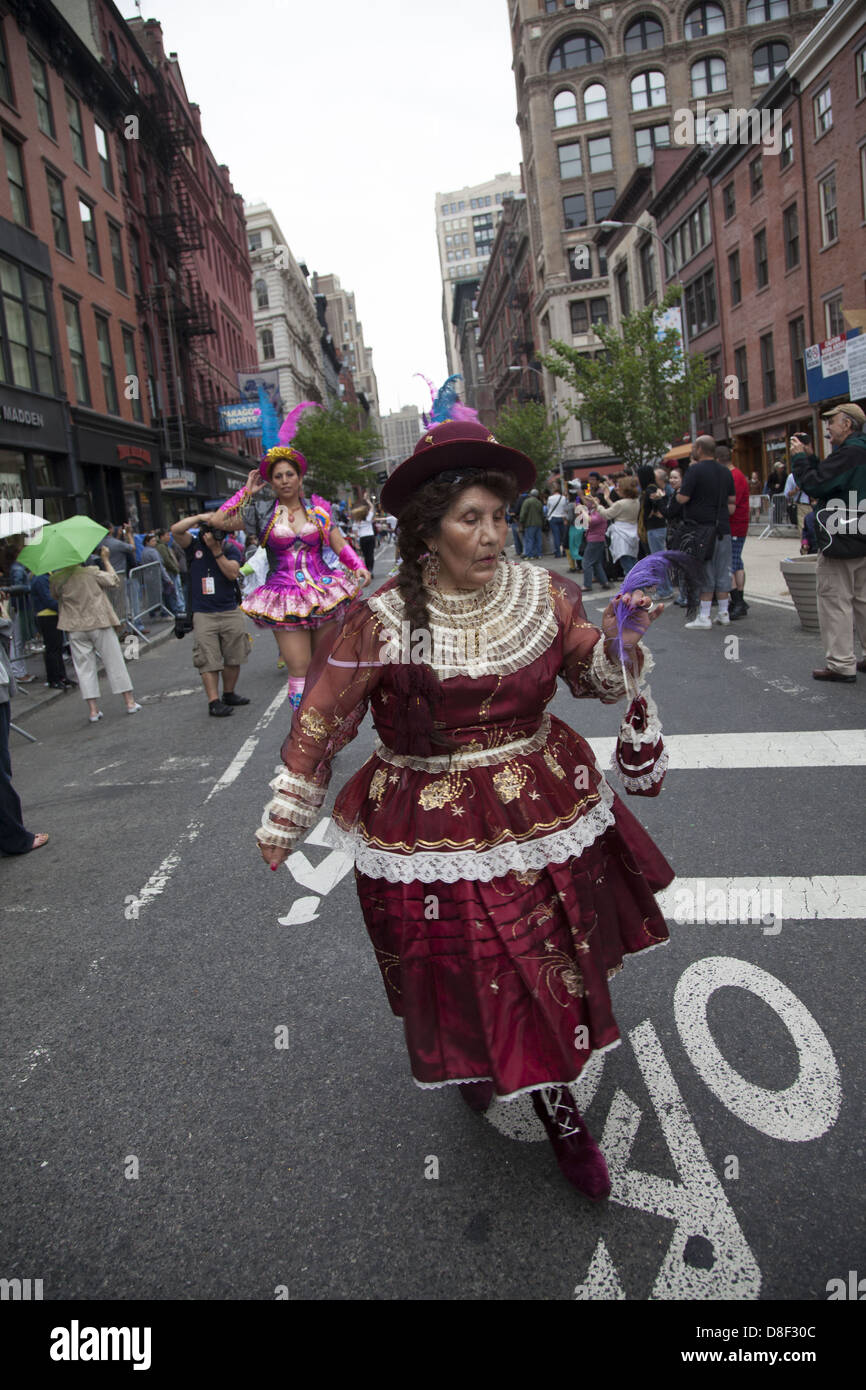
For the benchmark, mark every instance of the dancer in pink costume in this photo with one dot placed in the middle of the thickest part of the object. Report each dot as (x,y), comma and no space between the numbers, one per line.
(301,594)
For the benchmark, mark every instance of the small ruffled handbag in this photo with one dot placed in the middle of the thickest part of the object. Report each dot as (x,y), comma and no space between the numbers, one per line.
(640,756)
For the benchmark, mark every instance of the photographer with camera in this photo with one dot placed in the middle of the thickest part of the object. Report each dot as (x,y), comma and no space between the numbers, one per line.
(220,638)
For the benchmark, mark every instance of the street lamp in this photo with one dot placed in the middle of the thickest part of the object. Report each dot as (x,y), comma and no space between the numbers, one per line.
(539,374)
(609,225)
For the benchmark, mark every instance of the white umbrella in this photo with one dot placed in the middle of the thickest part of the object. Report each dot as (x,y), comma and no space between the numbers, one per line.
(18,523)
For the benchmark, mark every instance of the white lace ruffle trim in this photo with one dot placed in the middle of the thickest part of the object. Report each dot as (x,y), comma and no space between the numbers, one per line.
(477,865)
(524,1090)
(647,780)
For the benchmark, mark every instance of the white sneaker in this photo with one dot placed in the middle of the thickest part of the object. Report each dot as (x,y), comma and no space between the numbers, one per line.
(722,619)
(94,718)
(699,622)
(133,709)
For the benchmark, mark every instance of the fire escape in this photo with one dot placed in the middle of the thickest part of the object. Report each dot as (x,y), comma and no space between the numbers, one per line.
(177,305)
(520,343)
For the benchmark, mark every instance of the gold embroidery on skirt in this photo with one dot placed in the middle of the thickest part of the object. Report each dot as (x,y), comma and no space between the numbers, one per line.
(442,791)
(509,783)
(378,784)
(553,764)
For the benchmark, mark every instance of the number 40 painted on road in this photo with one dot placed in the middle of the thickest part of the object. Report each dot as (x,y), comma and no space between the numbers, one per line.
(698,1205)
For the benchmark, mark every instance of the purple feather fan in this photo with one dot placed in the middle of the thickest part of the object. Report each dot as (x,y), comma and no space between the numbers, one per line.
(664,567)
(289,427)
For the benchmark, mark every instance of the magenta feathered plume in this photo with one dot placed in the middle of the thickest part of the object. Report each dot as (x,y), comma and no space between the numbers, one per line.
(664,567)
(289,427)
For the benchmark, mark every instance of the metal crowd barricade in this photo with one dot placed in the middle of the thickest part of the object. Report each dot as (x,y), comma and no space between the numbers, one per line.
(141,597)
(778,515)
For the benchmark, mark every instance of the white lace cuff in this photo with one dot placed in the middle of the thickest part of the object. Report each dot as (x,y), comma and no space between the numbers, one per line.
(605,676)
(296,800)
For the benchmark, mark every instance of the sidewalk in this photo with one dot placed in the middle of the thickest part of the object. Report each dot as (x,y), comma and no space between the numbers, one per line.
(35,695)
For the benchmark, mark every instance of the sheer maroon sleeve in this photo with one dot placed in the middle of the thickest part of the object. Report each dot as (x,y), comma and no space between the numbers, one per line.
(343,674)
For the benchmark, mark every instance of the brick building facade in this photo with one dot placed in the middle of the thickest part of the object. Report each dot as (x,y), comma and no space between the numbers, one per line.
(123,249)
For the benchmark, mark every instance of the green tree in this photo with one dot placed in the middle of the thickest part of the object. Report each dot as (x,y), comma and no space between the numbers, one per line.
(335,442)
(637,393)
(526,427)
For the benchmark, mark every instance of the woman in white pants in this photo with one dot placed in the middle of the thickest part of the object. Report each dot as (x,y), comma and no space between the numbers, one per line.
(86,615)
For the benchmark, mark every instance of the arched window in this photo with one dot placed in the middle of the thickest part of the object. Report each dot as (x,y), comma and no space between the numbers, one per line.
(768,61)
(267,345)
(644,33)
(565,109)
(709,75)
(261,289)
(703,20)
(575,51)
(595,102)
(648,89)
(760,11)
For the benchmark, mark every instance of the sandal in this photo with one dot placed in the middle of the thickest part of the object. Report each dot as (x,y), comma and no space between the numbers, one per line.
(39,841)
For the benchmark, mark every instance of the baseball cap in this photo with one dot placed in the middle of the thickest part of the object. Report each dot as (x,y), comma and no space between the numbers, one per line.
(852,411)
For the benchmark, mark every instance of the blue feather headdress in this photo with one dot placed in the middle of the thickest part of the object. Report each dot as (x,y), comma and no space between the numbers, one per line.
(446,404)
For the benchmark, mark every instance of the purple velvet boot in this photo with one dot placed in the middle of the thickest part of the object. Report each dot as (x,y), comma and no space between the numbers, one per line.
(477,1094)
(580,1159)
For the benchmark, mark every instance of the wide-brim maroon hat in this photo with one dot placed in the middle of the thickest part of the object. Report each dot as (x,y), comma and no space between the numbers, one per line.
(452,445)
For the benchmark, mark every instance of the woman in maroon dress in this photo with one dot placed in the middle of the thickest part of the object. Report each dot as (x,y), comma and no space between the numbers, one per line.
(501,880)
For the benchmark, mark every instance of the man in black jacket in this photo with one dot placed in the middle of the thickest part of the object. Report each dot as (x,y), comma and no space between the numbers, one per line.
(839,478)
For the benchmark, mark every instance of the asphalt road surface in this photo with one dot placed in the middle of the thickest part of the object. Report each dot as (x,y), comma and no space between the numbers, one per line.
(207,1097)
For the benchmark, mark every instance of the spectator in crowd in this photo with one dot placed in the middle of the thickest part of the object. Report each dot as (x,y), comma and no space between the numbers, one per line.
(593,552)
(151,556)
(23,622)
(777,479)
(556,516)
(513,515)
(121,549)
(169,554)
(365,514)
(86,615)
(755,490)
(14,838)
(708,498)
(221,642)
(797,501)
(841,579)
(622,518)
(52,638)
(653,521)
(531,520)
(738,607)
(663,482)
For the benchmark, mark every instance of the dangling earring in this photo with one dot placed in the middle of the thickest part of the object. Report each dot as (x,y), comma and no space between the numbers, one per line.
(430,573)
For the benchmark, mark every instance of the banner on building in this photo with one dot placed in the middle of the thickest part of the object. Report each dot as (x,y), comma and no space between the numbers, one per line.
(250,383)
(242,416)
(831,364)
(665,320)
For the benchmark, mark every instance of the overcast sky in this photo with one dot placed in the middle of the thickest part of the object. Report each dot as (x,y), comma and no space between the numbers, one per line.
(347,117)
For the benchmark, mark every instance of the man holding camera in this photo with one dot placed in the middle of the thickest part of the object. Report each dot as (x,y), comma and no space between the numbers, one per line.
(220,638)
(839,478)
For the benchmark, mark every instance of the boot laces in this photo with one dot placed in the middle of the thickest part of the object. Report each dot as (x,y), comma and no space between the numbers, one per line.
(561,1112)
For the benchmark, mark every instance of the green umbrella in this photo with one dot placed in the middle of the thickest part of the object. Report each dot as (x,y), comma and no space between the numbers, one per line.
(65,543)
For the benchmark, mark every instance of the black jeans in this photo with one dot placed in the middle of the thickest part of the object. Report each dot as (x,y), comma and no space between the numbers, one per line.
(14,839)
(368,550)
(55,671)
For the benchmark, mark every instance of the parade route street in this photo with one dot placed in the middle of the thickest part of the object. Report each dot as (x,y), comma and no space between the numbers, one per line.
(207,1097)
